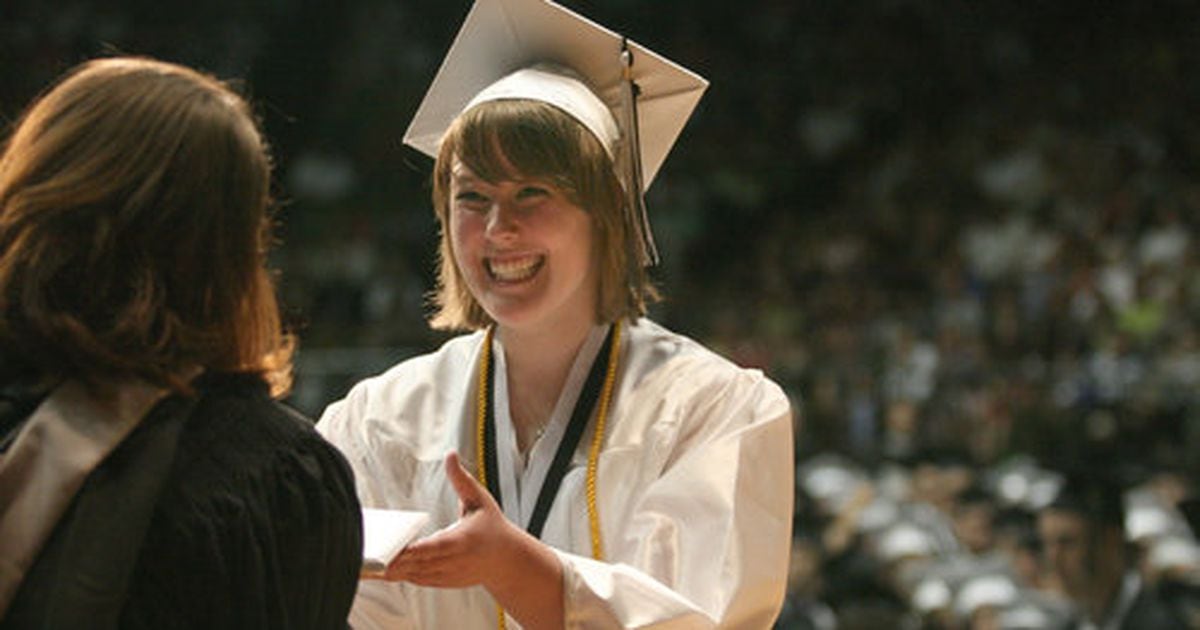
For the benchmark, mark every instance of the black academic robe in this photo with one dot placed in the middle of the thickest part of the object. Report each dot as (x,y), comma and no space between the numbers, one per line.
(256,525)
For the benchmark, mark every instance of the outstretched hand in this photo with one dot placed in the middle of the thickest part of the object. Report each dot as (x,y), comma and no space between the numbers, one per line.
(484,548)
(468,552)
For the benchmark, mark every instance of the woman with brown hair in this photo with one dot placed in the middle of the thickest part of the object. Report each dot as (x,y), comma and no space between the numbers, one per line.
(147,476)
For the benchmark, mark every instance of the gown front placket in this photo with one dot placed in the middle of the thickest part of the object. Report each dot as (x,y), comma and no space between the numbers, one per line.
(521,479)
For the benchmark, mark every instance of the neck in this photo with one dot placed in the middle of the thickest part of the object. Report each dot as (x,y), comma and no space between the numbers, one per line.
(1107,576)
(543,351)
(1101,601)
(537,366)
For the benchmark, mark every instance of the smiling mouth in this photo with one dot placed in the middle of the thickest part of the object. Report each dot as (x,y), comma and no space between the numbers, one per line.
(514,269)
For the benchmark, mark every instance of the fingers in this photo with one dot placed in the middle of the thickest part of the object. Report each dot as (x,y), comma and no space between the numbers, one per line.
(444,543)
(433,563)
(448,542)
(364,574)
(470,492)
(440,575)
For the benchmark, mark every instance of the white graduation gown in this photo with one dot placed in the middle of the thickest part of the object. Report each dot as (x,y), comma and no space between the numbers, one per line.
(694,487)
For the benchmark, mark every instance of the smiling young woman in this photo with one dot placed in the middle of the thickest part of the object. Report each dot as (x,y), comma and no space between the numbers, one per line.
(617,474)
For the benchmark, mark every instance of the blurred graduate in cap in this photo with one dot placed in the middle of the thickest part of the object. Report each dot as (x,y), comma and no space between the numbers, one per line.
(612,473)
(1089,561)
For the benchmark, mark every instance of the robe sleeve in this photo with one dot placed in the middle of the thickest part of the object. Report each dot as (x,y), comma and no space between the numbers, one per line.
(705,543)
(264,534)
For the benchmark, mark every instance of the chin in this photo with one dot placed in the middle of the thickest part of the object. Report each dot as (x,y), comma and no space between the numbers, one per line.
(512,317)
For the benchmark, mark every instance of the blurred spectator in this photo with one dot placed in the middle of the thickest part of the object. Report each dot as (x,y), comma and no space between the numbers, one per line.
(1084,546)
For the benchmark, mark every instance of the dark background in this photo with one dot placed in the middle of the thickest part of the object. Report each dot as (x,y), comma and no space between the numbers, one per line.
(937,224)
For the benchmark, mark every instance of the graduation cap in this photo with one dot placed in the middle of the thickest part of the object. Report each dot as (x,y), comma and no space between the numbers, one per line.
(988,590)
(931,594)
(1174,554)
(633,100)
(904,540)
(1147,520)
(1094,495)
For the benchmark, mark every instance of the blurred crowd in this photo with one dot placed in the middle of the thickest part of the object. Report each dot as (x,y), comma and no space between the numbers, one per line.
(963,236)
(935,542)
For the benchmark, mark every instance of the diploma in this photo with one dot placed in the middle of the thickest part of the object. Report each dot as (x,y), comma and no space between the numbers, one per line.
(386,533)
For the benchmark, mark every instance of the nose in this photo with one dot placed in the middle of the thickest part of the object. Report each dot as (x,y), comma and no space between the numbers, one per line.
(501,221)
(1053,555)
(1050,554)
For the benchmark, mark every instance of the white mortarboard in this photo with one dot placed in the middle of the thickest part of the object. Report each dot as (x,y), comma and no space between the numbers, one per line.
(1020,481)
(1146,522)
(1024,615)
(831,480)
(1174,553)
(997,591)
(904,540)
(931,594)
(501,37)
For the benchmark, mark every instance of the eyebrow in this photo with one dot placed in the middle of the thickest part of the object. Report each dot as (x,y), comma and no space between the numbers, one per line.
(460,175)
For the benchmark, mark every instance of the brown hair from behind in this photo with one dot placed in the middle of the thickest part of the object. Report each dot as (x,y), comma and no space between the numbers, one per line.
(539,141)
(134,226)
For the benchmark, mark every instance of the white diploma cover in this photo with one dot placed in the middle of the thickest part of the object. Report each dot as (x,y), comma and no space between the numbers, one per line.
(386,533)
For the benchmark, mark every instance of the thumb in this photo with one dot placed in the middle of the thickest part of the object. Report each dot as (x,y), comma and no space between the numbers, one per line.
(470,492)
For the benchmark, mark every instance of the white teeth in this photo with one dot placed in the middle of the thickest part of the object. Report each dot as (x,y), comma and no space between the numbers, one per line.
(515,269)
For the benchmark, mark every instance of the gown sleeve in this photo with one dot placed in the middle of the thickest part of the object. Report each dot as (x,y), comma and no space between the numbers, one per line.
(265,532)
(705,542)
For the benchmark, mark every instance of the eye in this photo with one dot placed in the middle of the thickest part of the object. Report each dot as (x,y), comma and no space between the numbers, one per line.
(532,191)
(470,199)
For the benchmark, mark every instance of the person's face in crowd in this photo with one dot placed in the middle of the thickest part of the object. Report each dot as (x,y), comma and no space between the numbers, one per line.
(973,524)
(1024,553)
(804,569)
(1064,539)
(986,618)
(524,250)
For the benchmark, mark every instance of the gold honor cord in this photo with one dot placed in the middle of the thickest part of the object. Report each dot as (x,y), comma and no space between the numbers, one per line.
(597,441)
(610,378)
(481,399)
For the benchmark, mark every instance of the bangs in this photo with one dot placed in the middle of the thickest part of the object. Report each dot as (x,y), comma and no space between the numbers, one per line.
(539,142)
